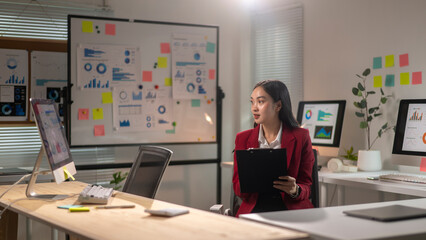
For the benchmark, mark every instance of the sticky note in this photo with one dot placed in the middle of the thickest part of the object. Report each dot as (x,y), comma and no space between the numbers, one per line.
(210,47)
(98,113)
(109,29)
(390,80)
(99,130)
(403,60)
(423,164)
(377,62)
(167,81)
(165,47)
(389,61)
(377,81)
(162,62)
(404,78)
(416,78)
(83,114)
(67,174)
(212,74)
(146,76)
(106,97)
(87,26)
(195,102)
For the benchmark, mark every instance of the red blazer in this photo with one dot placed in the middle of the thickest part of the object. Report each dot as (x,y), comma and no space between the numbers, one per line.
(300,160)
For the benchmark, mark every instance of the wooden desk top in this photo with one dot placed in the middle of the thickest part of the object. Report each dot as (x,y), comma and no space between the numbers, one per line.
(134,223)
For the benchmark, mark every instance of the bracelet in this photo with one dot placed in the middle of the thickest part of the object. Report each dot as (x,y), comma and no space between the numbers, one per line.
(297,192)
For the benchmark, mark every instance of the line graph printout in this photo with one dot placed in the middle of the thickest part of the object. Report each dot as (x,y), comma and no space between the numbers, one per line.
(320,120)
(415,129)
(13,84)
(101,66)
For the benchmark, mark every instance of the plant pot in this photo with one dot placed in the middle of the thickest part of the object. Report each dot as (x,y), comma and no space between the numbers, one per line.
(369,160)
(349,162)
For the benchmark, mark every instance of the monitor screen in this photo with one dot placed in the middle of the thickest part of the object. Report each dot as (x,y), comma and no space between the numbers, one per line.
(409,144)
(53,138)
(323,119)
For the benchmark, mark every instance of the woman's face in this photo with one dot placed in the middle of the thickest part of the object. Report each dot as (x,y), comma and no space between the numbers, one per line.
(263,108)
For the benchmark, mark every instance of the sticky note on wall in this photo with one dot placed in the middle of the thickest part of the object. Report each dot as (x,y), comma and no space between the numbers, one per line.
(377,62)
(390,80)
(87,26)
(165,47)
(212,74)
(167,81)
(377,81)
(99,130)
(195,102)
(404,78)
(403,60)
(98,113)
(83,114)
(110,29)
(162,62)
(210,47)
(389,61)
(106,97)
(147,76)
(417,78)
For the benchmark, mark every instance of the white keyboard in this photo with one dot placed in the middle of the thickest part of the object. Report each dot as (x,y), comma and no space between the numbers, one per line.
(395,177)
(95,194)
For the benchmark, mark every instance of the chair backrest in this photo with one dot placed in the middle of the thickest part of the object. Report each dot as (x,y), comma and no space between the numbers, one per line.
(147,170)
(315,183)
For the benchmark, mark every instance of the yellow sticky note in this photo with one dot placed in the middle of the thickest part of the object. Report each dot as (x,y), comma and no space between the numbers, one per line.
(168,82)
(106,97)
(389,61)
(98,113)
(377,81)
(162,62)
(87,26)
(404,78)
(67,174)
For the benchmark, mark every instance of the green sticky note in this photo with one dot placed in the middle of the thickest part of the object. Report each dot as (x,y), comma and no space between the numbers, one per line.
(106,97)
(390,80)
(377,62)
(162,62)
(195,102)
(210,47)
(389,61)
(98,113)
(87,26)
(168,82)
(404,78)
(377,81)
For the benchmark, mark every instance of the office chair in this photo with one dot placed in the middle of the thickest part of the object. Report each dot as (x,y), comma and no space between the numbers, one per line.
(147,170)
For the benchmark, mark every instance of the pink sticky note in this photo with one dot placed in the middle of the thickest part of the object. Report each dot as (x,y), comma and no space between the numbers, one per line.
(83,114)
(165,47)
(146,76)
(423,165)
(417,78)
(212,74)
(99,130)
(110,29)
(403,60)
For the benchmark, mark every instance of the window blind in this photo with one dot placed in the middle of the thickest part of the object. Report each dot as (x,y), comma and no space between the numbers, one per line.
(278,48)
(44,19)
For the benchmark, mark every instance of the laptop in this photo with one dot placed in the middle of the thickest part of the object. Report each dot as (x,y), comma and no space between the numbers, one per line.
(388,213)
(258,168)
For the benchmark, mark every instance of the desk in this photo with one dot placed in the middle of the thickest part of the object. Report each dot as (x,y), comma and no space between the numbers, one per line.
(134,223)
(332,223)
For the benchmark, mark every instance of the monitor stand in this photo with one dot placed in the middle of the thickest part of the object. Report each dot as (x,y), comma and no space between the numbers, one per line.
(30,188)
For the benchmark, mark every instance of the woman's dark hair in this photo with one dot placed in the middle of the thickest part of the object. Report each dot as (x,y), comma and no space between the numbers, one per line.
(279,92)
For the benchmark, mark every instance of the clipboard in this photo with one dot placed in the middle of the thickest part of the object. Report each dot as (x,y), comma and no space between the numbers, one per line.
(258,168)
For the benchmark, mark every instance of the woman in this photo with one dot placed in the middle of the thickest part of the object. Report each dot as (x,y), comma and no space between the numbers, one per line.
(276,127)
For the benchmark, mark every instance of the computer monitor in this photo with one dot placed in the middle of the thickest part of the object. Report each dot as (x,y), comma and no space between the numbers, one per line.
(54,146)
(409,145)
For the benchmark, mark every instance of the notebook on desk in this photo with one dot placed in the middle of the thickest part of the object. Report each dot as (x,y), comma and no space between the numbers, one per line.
(388,213)
(258,168)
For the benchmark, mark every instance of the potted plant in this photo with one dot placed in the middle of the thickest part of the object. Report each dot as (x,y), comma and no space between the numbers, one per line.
(369,160)
(117,179)
(350,157)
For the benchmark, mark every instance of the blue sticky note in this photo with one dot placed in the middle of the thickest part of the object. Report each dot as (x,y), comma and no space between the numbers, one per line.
(195,102)
(210,47)
(70,206)
(377,62)
(390,80)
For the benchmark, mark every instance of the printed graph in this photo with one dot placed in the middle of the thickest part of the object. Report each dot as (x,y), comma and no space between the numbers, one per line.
(14,79)
(135,109)
(96,84)
(323,132)
(118,74)
(324,116)
(416,116)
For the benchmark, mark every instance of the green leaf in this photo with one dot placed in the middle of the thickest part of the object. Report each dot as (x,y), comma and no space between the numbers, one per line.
(383,100)
(381,91)
(360,87)
(380,133)
(363,103)
(371,92)
(355,91)
(363,124)
(385,126)
(359,114)
(356,104)
(369,118)
(358,76)
(366,72)
(371,110)
(377,114)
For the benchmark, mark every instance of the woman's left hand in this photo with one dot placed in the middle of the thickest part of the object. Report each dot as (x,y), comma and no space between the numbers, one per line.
(286,184)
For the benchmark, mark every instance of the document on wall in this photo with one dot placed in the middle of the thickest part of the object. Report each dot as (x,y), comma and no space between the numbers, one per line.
(13,84)
(189,66)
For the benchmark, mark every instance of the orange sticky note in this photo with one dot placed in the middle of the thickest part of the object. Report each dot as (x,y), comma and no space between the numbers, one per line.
(146,76)
(417,78)
(109,29)
(106,97)
(162,62)
(167,81)
(212,74)
(403,60)
(83,114)
(165,47)
(98,113)
(377,81)
(87,26)
(99,130)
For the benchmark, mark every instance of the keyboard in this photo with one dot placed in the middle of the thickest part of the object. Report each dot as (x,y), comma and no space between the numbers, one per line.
(396,177)
(95,194)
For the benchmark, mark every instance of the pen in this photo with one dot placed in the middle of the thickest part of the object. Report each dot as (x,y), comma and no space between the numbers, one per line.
(115,206)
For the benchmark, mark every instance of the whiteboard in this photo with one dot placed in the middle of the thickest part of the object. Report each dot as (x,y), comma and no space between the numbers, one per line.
(136,82)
